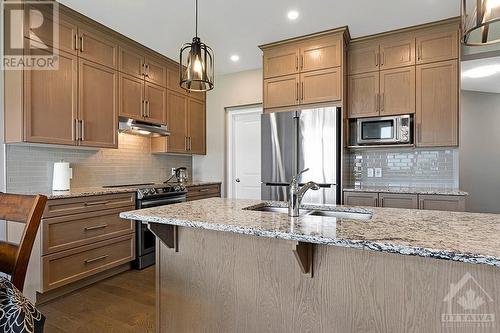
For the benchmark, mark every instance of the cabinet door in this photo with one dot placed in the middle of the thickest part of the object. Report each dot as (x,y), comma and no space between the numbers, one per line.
(131,61)
(397,91)
(131,97)
(97,47)
(437,46)
(437,104)
(98,104)
(363,58)
(173,79)
(281,91)
(321,86)
(321,53)
(156,71)
(176,122)
(156,107)
(281,60)
(50,102)
(397,52)
(361,199)
(442,202)
(391,200)
(196,118)
(363,95)
(67,28)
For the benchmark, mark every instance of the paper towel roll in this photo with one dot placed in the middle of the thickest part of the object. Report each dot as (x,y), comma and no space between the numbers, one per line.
(62,176)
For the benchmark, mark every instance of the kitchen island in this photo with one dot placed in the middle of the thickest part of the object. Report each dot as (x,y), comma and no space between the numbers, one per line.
(224,266)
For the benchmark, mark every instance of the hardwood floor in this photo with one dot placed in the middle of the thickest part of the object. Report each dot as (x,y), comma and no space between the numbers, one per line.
(122,303)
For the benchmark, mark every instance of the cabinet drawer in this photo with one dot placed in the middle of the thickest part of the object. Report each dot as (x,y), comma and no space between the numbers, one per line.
(66,232)
(60,207)
(442,202)
(69,266)
(207,191)
(361,199)
(392,200)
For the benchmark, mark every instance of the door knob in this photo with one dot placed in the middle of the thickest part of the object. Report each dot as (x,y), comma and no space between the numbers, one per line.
(238,180)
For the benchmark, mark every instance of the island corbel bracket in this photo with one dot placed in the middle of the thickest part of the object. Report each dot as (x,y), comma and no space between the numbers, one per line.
(303,253)
(168,234)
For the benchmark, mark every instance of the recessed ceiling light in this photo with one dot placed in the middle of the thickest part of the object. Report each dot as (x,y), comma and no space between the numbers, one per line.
(293,15)
(235,58)
(482,71)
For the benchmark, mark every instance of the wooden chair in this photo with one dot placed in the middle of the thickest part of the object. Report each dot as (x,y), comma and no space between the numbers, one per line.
(27,209)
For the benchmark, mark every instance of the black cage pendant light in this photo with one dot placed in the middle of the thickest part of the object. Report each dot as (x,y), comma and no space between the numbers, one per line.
(480,22)
(196,65)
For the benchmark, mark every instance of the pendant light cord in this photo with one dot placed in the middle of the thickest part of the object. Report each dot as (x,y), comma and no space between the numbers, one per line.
(196,15)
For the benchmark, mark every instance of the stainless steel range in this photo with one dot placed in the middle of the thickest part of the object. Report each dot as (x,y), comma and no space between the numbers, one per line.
(151,195)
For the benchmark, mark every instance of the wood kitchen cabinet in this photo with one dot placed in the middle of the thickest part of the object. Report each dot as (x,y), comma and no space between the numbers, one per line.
(97,46)
(437,104)
(392,200)
(363,95)
(131,61)
(363,57)
(156,103)
(397,91)
(397,52)
(131,97)
(50,98)
(437,46)
(97,105)
(304,71)
(156,71)
(361,199)
(442,202)
(186,123)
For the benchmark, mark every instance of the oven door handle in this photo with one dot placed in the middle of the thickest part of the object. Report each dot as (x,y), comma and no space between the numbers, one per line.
(167,201)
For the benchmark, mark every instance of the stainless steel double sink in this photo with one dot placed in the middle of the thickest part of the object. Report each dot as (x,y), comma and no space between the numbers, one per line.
(315,212)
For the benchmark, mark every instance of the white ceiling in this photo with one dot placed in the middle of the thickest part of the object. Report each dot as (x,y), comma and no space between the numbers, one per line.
(237,26)
(489,84)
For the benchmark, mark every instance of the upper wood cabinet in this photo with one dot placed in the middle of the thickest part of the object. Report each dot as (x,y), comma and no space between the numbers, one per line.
(397,91)
(363,95)
(437,104)
(304,71)
(131,97)
(156,103)
(97,105)
(281,91)
(50,102)
(437,46)
(321,86)
(397,52)
(156,71)
(98,47)
(196,121)
(321,53)
(131,61)
(363,57)
(281,60)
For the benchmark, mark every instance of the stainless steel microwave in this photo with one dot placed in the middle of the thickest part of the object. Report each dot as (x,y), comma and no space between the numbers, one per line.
(384,130)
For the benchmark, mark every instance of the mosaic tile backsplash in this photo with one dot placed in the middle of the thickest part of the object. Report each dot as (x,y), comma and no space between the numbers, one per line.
(30,167)
(404,167)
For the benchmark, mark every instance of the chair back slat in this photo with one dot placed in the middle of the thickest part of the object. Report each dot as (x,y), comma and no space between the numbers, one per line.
(26,209)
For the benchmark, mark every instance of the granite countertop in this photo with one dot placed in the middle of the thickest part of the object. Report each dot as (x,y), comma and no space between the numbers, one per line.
(406,189)
(458,236)
(91,191)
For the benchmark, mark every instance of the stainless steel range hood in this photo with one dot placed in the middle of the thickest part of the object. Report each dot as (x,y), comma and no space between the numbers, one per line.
(137,127)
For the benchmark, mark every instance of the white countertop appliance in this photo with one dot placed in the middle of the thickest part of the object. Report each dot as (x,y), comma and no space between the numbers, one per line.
(62,176)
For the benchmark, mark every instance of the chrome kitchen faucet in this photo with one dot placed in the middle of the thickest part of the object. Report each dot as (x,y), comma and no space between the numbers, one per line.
(296,193)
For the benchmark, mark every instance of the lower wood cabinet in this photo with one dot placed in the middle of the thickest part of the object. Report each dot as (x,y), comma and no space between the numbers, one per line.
(409,201)
(442,202)
(203,192)
(454,203)
(361,199)
(83,236)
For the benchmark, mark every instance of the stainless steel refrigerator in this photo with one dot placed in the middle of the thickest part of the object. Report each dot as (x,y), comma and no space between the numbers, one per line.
(293,141)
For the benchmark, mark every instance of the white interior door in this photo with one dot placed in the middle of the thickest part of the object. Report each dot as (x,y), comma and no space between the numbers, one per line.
(244,153)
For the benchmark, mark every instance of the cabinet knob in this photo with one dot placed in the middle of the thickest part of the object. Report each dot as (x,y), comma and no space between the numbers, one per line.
(238,180)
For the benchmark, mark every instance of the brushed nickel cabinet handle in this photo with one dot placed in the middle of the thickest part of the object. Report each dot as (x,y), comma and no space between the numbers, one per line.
(297,92)
(76,135)
(190,143)
(376,59)
(143,109)
(382,202)
(147,70)
(301,61)
(88,261)
(302,91)
(382,103)
(296,63)
(419,53)
(382,60)
(81,44)
(96,203)
(206,189)
(82,130)
(97,227)
(76,41)
(185,143)
(148,110)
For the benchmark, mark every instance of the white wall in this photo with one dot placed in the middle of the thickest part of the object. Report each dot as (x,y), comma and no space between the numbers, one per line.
(2,159)
(235,89)
(479,151)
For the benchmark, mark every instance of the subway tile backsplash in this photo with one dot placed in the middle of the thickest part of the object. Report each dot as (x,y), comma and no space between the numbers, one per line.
(30,167)
(404,167)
